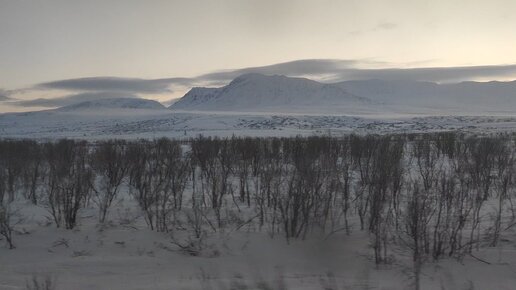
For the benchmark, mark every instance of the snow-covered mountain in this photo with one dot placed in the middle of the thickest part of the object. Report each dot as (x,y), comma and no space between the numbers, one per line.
(257,92)
(386,91)
(261,93)
(477,96)
(115,103)
(492,94)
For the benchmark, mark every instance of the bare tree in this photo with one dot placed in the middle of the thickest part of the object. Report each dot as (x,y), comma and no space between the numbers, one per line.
(110,163)
(416,220)
(2,184)
(37,282)
(480,165)
(33,170)
(7,225)
(68,182)
(503,183)
(214,157)
(12,156)
(385,184)
(363,150)
(159,175)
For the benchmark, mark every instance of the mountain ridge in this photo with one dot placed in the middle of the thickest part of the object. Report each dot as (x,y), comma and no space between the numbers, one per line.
(257,92)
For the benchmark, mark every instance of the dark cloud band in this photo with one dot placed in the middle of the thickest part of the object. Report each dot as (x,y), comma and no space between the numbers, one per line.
(343,70)
(4,95)
(334,70)
(72,99)
(132,85)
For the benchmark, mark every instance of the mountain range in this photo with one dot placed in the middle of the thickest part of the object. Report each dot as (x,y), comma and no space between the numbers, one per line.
(281,94)
(261,93)
(260,105)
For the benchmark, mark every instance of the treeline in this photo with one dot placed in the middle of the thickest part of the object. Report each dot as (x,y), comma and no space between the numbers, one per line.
(438,195)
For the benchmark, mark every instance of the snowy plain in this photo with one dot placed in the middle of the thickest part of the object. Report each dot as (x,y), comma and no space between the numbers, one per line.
(144,123)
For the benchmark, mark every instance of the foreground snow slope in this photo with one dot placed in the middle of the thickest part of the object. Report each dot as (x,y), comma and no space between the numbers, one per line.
(126,255)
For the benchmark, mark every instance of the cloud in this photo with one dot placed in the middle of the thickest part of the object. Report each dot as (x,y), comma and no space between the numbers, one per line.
(71,99)
(319,69)
(305,67)
(386,26)
(382,26)
(431,74)
(341,70)
(4,95)
(114,84)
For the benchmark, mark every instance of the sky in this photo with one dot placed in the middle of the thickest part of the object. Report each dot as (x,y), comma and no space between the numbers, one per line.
(54,52)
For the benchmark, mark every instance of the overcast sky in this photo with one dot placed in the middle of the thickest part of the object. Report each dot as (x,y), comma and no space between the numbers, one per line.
(158,49)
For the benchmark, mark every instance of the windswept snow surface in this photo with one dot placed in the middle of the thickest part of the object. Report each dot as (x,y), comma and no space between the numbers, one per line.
(124,254)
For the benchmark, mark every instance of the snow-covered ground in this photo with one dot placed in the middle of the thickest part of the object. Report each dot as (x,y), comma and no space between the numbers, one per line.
(125,254)
(151,123)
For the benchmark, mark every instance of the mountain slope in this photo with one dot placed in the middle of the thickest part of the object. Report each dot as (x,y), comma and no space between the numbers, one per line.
(257,92)
(390,91)
(465,95)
